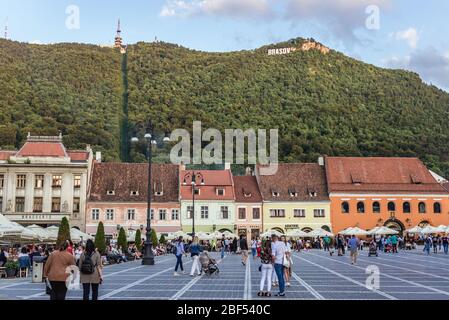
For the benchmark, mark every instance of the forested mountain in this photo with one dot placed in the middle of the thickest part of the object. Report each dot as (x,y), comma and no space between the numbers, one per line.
(322,103)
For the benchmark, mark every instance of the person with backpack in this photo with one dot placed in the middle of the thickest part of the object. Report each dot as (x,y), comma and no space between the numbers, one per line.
(90,270)
(178,251)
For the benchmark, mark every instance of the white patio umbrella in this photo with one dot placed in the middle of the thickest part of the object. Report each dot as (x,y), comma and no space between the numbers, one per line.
(44,234)
(77,235)
(429,230)
(354,231)
(442,228)
(8,228)
(320,233)
(270,233)
(416,229)
(297,233)
(204,236)
(385,231)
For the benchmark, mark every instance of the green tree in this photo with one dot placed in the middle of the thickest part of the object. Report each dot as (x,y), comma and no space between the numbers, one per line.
(122,242)
(154,238)
(63,232)
(138,239)
(162,239)
(100,242)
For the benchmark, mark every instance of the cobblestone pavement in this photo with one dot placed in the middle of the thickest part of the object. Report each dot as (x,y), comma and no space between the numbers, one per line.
(316,275)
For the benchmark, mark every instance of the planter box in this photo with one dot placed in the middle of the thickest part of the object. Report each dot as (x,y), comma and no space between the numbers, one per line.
(11,273)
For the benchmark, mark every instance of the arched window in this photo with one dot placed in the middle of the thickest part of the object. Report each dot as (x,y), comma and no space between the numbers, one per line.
(422,207)
(345,207)
(360,207)
(391,206)
(406,207)
(376,207)
(436,207)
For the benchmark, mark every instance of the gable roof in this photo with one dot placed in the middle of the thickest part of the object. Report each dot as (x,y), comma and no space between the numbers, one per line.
(246,189)
(42,149)
(213,179)
(377,174)
(123,178)
(301,178)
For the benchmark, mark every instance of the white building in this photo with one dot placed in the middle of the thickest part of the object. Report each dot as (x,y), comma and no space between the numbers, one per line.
(43,182)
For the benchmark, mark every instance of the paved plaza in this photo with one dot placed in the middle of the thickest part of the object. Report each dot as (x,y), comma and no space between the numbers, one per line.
(317,275)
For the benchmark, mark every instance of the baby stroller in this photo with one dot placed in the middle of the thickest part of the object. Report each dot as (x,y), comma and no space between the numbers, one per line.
(208,265)
(372,249)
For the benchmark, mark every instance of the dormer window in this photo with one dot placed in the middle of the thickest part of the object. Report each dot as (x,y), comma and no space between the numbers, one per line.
(246,193)
(110,192)
(159,193)
(220,191)
(158,188)
(134,193)
(356,179)
(275,193)
(416,179)
(312,192)
(292,192)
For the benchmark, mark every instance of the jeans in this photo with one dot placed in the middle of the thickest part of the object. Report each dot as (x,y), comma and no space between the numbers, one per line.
(267,270)
(58,290)
(179,263)
(254,252)
(222,251)
(445,248)
(195,266)
(86,291)
(279,269)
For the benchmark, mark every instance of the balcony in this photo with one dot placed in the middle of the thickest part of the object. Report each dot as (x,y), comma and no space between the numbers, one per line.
(29,217)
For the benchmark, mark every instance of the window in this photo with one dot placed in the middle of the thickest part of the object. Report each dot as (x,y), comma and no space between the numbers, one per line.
(175,214)
(76,205)
(319,213)
(256,213)
(95,214)
(56,205)
(134,193)
(422,207)
(204,212)
(406,207)
(151,214)
(131,213)
(2,181)
(56,181)
(277,213)
(220,192)
(77,181)
(20,204)
(159,193)
(37,205)
(376,207)
(39,181)
(109,214)
(292,193)
(110,192)
(189,212)
(242,213)
(391,206)
(196,191)
(345,207)
(436,207)
(360,207)
(224,212)
(162,214)
(21,181)
(299,213)
(275,194)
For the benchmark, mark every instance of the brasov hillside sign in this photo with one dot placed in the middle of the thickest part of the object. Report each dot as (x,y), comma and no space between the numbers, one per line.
(278,51)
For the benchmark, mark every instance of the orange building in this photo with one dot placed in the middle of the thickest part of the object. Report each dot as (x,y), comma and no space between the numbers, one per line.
(395,192)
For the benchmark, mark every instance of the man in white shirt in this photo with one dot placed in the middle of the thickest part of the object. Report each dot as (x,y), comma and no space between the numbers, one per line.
(278,249)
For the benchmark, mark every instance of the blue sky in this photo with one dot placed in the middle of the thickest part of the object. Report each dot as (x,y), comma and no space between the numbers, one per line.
(411,34)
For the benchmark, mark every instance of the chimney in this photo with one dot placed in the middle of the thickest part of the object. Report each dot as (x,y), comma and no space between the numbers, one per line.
(98,156)
(321,161)
(227,166)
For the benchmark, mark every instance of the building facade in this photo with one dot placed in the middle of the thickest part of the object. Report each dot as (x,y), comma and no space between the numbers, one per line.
(44,182)
(214,207)
(395,192)
(118,197)
(248,206)
(295,197)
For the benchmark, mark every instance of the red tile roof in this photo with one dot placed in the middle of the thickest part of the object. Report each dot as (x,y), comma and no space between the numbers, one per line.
(78,156)
(4,155)
(213,179)
(123,178)
(42,149)
(246,189)
(380,175)
(307,180)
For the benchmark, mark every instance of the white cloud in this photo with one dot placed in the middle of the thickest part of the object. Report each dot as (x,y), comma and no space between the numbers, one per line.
(228,8)
(432,65)
(410,35)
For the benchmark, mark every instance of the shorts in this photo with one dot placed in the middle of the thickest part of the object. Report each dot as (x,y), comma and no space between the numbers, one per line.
(245,253)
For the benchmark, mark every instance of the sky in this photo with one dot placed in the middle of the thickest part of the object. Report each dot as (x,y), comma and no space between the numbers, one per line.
(406,34)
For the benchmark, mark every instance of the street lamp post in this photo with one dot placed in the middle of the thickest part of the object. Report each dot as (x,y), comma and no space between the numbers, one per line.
(148,257)
(192,177)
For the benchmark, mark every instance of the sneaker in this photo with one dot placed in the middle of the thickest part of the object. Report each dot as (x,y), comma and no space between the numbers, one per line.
(176,274)
(288,284)
(184,272)
(279,294)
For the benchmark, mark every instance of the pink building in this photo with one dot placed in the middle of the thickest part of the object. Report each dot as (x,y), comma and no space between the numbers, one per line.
(118,197)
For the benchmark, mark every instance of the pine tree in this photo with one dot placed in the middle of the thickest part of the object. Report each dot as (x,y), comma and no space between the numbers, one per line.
(162,239)
(122,242)
(63,232)
(100,242)
(154,238)
(138,240)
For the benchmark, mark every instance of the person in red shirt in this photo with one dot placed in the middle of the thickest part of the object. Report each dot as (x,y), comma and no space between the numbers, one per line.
(70,247)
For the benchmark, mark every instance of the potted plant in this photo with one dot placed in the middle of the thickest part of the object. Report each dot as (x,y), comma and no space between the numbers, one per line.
(11,268)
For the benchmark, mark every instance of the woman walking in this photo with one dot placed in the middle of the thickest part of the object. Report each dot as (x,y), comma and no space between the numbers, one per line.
(267,269)
(91,271)
(179,252)
(195,250)
(254,248)
(55,271)
(287,261)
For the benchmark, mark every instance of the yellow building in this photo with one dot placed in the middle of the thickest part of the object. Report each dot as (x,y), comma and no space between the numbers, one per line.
(295,197)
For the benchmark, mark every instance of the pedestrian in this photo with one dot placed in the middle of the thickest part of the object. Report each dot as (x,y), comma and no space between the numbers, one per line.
(78,252)
(427,245)
(223,246)
(278,252)
(266,269)
(326,243)
(195,250)
(394,243)
(90,267)
(234,245)
(287,261)
(254,248)
(353,245)
(435,244)
(179,252)
(3,258)
(445,244)
(55,271)
(244,249)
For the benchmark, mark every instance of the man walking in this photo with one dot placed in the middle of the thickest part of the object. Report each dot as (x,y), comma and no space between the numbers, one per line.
(327,241)
(244,249)
(278,249)
(353,246)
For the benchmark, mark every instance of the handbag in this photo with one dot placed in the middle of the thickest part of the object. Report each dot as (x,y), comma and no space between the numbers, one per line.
(286,262)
